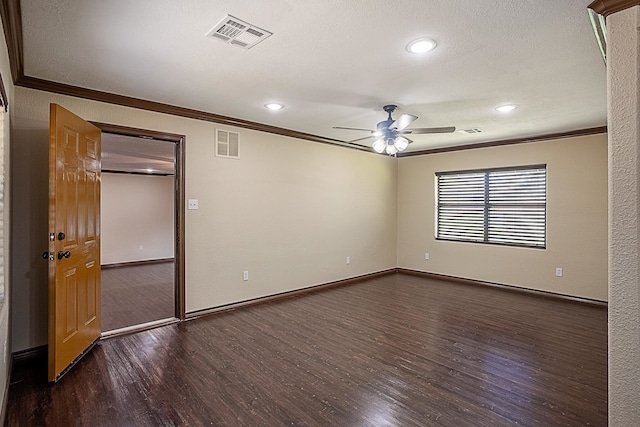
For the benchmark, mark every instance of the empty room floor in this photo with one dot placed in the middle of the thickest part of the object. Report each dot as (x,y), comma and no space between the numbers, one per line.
(136,294)
(395,350)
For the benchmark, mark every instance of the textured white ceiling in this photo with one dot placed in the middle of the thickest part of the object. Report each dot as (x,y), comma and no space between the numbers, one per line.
(336,63)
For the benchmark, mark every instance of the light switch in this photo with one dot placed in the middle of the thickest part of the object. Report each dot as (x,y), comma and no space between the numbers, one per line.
(192,204)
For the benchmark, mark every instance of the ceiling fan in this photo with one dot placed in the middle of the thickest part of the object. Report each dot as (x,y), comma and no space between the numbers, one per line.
(390,133)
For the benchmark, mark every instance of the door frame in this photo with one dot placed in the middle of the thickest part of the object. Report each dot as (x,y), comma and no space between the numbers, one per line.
(179,205)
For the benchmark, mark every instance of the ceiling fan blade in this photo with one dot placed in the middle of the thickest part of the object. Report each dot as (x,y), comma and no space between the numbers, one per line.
(403,121)
(361,139)
(416,131)
(340,127)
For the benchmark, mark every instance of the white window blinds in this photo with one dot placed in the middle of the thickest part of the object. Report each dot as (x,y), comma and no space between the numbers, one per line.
(501,206)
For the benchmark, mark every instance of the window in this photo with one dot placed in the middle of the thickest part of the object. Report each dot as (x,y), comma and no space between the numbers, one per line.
(505,206)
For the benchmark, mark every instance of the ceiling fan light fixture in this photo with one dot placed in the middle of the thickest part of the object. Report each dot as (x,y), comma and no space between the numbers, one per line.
(401,143)
(422,45)
(379,145)
(391,149)
(273,106)
(507,108)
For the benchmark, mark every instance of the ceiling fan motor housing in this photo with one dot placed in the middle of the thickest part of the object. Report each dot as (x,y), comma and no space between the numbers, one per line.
(390,109)
(384,124)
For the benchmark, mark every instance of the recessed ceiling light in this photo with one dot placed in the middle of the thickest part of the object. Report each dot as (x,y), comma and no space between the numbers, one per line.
(274,106)
(506,108)
(421,45)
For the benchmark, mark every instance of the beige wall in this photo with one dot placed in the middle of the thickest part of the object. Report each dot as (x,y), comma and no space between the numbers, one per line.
(5,217)
(136,222)
(288,211)
(576,218)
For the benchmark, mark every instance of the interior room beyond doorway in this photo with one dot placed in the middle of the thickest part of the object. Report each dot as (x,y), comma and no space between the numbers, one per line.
(137,231)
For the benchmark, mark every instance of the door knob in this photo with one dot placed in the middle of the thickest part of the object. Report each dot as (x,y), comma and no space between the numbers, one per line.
(61,236)
(65,254)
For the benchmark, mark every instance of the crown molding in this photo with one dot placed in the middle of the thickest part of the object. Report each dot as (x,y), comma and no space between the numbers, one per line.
(158,107)
(607,7)
(547,137)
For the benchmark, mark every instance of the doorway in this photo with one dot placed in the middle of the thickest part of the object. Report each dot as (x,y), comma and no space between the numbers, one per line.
(142,229)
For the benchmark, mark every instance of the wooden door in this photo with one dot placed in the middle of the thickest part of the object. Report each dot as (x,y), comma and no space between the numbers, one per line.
(74,239)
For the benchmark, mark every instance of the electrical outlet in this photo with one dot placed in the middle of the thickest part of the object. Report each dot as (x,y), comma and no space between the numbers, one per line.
(348,260)
(426,255)
(558,272)
(192,204)
(245,275)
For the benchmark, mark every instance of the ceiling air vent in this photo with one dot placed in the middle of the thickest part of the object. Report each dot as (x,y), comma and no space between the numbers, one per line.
(227,144)
(237,32)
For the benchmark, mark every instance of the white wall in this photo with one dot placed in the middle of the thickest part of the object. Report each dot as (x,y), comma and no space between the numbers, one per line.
(137,218)
(288,211)
(576,218)
(5,218)
(623,56)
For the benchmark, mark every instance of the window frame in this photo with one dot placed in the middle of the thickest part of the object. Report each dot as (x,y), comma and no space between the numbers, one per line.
(487,205)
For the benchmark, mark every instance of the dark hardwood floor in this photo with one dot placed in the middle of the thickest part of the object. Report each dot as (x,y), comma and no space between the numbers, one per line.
(136,294)
(392,351)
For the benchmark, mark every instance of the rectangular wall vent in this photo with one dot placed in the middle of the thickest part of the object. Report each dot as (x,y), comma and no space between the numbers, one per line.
(227,144)
(238,33)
